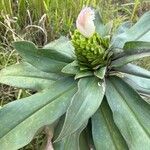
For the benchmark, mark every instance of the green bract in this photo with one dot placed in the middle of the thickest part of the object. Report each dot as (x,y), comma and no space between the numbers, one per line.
(91,52)
(89,95)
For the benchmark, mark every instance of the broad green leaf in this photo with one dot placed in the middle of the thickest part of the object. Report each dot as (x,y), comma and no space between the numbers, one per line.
(101,29)
(71,68)
(100,73)
(21,119)
(83,73)
(122,28)
(71,142)
(134,70)
(24,75)
(99,26)
(84,104)
(47,60)
(139,83)
(104,131)
(130,112)
(137,32)
(145,37)
(128,58)
(62,45)
(136,47)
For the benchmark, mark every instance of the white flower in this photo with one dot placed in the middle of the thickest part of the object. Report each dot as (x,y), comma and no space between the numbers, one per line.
(85,22)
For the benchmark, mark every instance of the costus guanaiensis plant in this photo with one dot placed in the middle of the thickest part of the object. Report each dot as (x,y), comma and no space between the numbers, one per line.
(88,93)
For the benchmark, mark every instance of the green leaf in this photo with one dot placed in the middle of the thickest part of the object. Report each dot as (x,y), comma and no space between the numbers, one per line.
(71,68)
(22,118)
(136,33)
(128,58)
(101,29)
(134,70)
(84,104)
(47,60)
(133,47)
(62,45)
(100,73)
(122,28)
(130,112)
(99,26)
(104,131)
(140,84)
(24,75)
(83,73)
(71,142)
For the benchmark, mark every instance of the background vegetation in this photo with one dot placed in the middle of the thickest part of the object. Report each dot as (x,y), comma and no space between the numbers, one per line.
(42,21)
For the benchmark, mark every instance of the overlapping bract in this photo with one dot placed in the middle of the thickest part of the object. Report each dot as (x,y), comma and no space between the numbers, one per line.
(91,52)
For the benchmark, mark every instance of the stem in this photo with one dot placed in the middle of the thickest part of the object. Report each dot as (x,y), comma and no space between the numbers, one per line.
(49,134)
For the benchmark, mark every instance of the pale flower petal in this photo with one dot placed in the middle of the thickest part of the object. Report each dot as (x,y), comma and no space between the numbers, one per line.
(85,22)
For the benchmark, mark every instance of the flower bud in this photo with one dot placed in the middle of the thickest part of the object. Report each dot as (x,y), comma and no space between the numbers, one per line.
(85,22)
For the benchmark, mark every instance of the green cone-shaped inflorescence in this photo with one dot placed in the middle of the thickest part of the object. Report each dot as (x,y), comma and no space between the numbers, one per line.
(93,51)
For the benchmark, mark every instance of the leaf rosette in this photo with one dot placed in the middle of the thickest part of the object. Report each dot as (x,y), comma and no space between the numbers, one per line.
(88,93)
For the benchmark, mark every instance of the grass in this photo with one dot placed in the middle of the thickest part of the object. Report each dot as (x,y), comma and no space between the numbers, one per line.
(43,21)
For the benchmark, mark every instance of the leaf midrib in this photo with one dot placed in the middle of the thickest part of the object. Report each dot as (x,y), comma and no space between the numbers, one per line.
(26,76)
(80,108)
